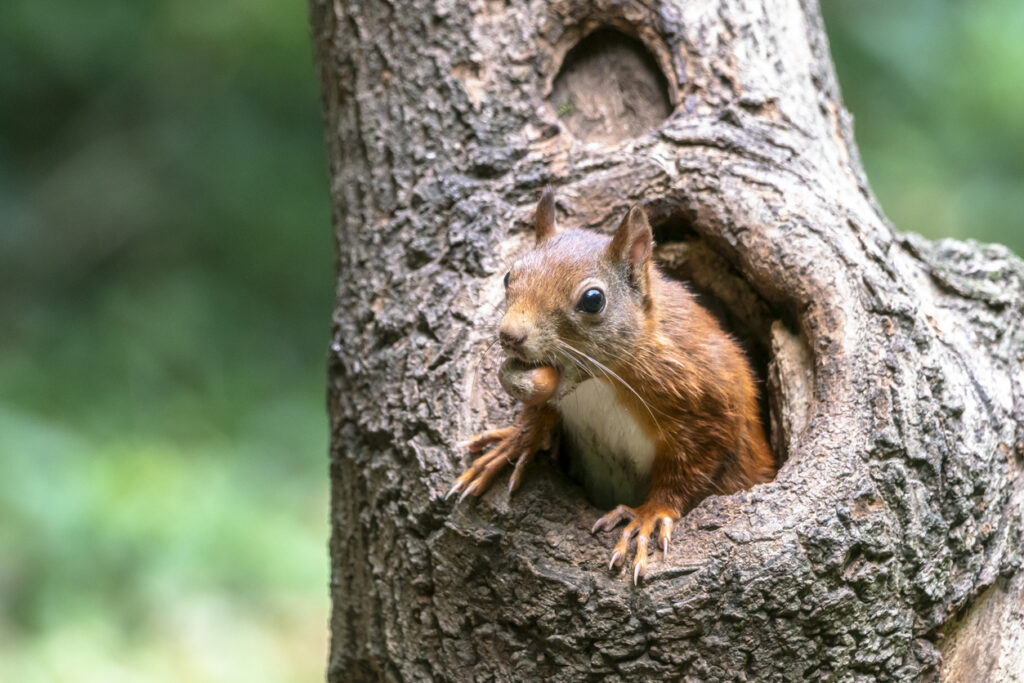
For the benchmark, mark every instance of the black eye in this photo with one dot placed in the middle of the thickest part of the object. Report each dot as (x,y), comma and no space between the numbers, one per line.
(506,278)
(592,301)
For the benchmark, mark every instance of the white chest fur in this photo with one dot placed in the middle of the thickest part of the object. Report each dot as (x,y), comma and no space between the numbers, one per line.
(612,453)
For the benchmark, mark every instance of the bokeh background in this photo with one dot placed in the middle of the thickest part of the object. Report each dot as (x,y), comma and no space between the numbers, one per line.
(165,292)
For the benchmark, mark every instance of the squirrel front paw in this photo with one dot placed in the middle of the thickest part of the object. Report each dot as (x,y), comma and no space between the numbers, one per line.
(643,521)
(515,445)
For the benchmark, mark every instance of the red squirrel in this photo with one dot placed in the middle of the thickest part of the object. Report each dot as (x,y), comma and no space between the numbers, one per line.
(657,402)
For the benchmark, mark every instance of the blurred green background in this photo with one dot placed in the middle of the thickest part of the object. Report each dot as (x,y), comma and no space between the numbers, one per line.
(936,88)
(165,294)
(166,283)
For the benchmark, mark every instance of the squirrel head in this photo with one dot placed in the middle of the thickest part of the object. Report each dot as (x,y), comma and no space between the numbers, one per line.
(578,296)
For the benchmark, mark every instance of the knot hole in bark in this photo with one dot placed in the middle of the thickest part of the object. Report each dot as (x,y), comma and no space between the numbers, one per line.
(610,88)
(779,356)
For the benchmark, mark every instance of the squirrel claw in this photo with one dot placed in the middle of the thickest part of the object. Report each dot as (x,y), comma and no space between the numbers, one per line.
(643,521)
(613,518)
(469,490)
(514,445)
(517,471)
(665,534)
(477,443)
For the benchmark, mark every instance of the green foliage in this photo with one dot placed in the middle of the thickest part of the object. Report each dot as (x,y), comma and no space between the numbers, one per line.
(165,292)
(936,91)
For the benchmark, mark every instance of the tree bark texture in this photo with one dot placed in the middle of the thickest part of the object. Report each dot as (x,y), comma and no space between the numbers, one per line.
(888,545)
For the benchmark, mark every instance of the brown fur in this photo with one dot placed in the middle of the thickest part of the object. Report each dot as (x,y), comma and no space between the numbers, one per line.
(681,377)
(708,435)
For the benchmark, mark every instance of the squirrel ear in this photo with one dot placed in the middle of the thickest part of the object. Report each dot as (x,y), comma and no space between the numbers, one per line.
(633,240)
(544,223)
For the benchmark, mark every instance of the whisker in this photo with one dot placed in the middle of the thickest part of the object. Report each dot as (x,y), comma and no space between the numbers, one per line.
(579,363)
(484,354)
(576,355)
(575,361)
(611,372)
(604,370)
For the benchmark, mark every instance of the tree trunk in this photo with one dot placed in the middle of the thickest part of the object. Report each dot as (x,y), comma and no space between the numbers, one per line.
(888,544)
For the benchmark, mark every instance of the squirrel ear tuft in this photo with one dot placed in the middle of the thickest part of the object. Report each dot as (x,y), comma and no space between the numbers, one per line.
(544,223)
(633,240)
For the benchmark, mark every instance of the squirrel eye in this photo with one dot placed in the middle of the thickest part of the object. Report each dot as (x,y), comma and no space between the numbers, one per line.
(506,278)
(592,301)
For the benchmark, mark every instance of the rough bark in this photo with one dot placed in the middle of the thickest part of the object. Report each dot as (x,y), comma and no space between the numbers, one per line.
(889,541)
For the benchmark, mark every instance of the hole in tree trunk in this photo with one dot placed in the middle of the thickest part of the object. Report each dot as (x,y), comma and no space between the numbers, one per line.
(610,88)
(776,354)
(778,357)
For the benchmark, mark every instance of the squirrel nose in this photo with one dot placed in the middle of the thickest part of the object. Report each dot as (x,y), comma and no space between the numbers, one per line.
(512,337)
